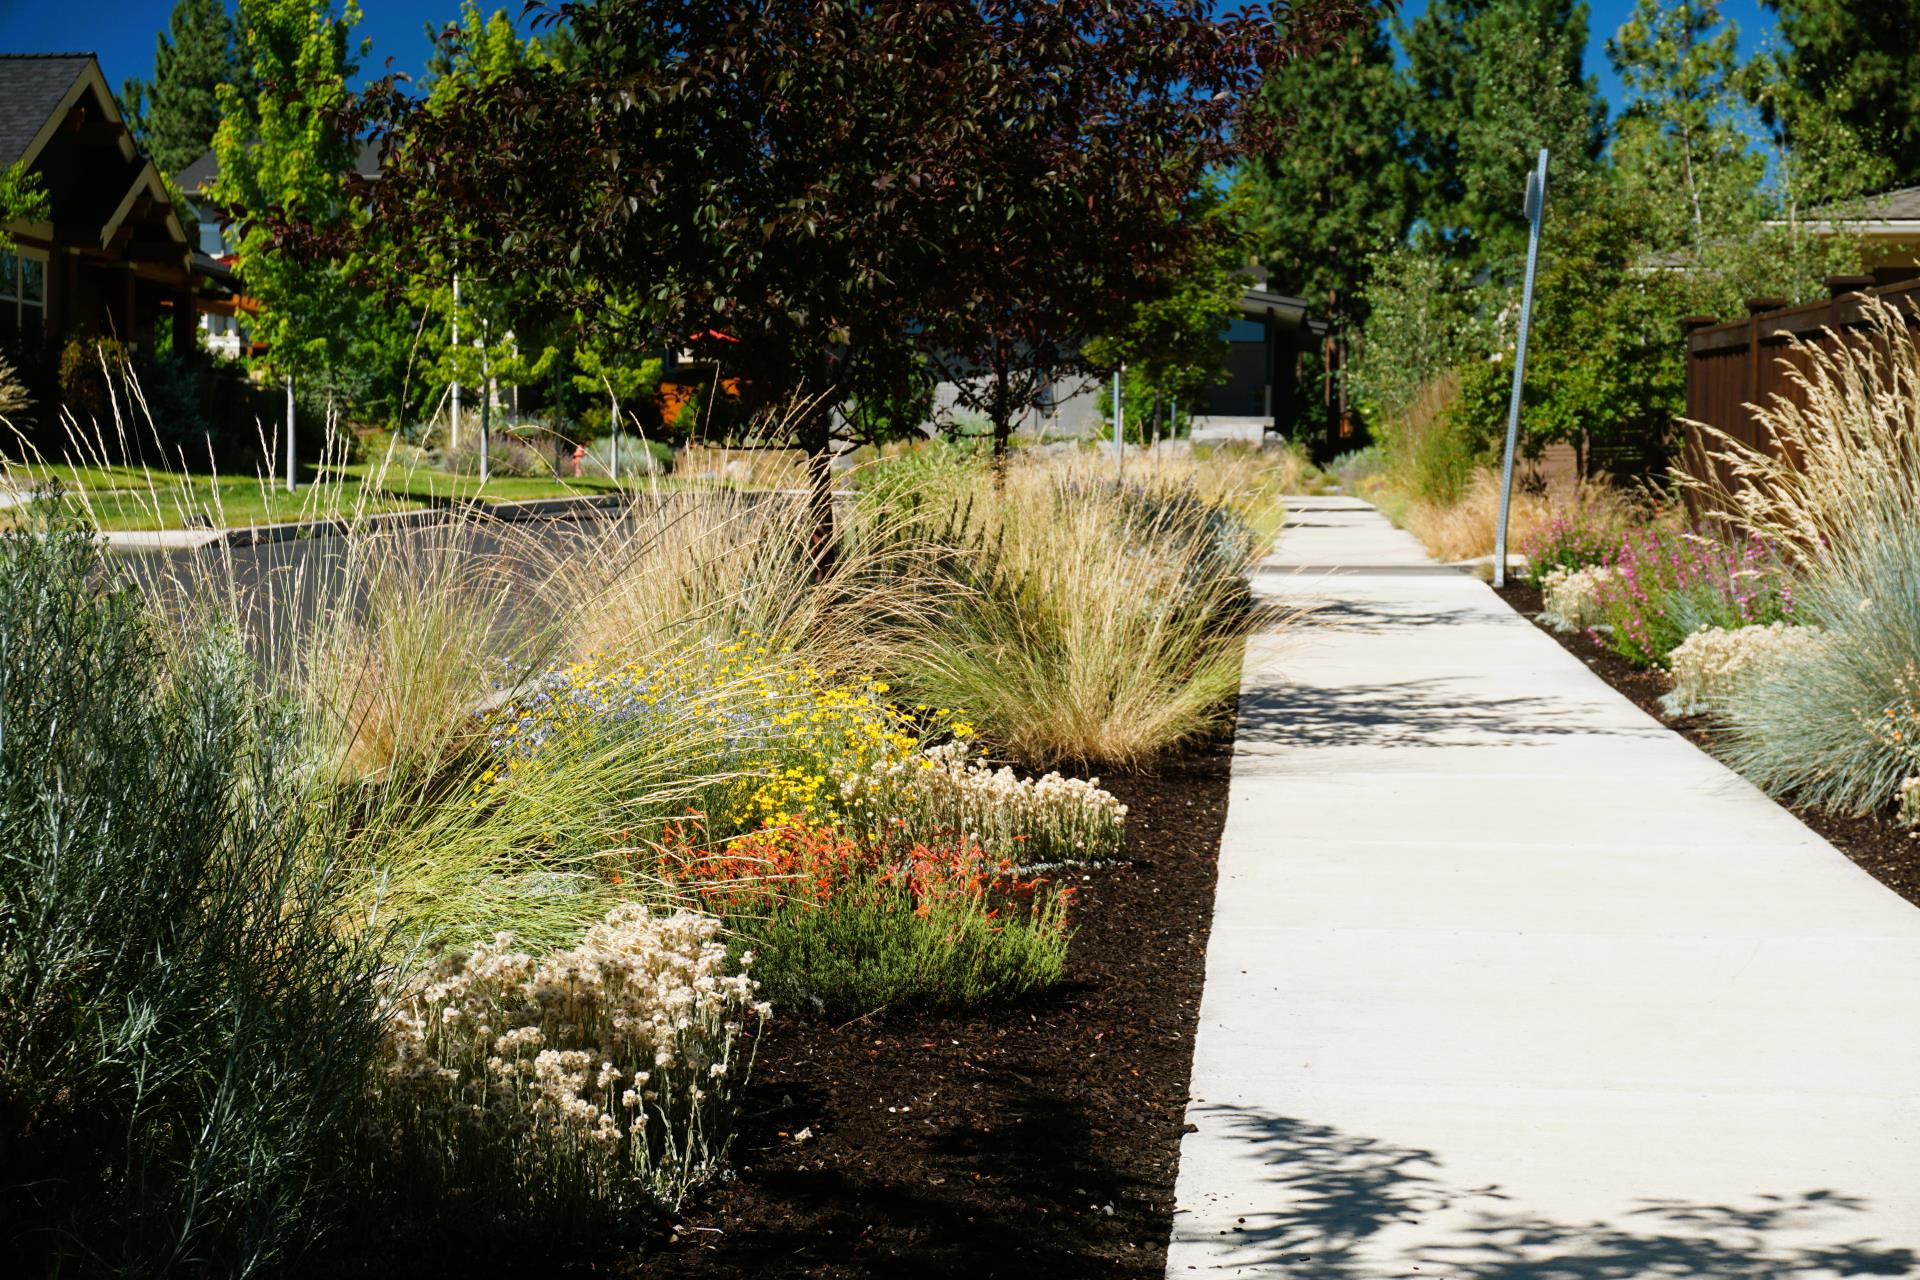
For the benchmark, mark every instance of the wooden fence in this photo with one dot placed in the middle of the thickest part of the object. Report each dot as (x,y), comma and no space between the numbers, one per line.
(1733,366)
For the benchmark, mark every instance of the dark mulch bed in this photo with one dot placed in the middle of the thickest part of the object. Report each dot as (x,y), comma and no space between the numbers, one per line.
(1879,845)
(1040,1139)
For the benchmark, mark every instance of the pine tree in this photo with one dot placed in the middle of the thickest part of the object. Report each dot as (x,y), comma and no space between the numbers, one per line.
(1492,82)
(1679,143)
(1340,189)
(1860,60)
(175,114)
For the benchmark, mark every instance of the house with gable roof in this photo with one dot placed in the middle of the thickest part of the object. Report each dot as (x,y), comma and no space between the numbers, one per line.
(113,258)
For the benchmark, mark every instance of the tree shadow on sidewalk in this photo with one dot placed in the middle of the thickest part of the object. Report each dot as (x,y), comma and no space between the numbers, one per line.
(1429,712)
(1374,618)
(1336,1192)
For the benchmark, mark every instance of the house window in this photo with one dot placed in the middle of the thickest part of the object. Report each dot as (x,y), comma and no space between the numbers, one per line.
(23,294)
(1241,329)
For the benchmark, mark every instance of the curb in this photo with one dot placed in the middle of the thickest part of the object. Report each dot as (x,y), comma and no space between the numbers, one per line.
(521,511)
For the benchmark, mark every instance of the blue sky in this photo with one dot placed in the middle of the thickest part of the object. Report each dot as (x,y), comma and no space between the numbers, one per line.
(122,32)
(1605,17)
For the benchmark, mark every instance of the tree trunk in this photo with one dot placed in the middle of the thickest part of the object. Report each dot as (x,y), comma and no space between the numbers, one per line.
(820,524)
(816,437)
(1000,410)
(1002,430)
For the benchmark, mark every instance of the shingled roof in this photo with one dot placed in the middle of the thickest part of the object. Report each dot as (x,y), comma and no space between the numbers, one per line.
(32,86)
(198,178)
(1894,206)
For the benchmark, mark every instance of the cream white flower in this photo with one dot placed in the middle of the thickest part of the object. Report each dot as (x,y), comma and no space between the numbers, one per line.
(1712,662)
(647,999)
(1570,598)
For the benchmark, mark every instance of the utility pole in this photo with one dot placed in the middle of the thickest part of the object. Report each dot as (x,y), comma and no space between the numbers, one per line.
(1536,199)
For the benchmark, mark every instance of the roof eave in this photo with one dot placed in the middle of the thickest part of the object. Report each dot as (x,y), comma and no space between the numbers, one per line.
(89,75)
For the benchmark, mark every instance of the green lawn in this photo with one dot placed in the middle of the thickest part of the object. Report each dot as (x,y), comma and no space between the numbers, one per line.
(129,498)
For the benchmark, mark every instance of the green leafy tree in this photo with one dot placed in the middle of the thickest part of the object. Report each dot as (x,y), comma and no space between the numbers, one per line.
(1679,141)
(504,333)
(623,379)
(481,48)
(828,197)
(1859,60)
(1491,82)
(1340,192)
(1421,320)
(282,157)
(1321,207)
(1820,160)
(23,198)
(1174,347)
(1605,364)
(175,114)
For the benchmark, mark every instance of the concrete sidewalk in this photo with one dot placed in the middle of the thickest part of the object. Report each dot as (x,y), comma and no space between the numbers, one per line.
(1508,981)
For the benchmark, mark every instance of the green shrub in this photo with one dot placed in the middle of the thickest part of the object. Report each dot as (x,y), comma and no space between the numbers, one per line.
(1815,728)
(870,949)
(637,457)
(842,925)
(1356,465)
(184,1027)
(1666,585)
(506,456)
(1573,538)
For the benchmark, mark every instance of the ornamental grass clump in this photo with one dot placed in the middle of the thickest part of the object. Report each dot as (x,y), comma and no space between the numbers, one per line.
(786,738)
(556,1090)
(1833,725)
(1087,620)
(842,926)
(1560,521)
(187,1006)
(1844,494)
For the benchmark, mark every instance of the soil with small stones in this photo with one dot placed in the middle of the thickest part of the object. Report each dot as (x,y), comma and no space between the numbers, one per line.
(1038,1139)
(1878,844)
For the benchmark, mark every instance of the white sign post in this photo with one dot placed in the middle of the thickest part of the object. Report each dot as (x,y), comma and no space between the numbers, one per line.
(1536,198)
(290,463)
(453,435)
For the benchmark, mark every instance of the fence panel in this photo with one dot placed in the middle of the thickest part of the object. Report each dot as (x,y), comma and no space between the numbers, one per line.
(1734,366)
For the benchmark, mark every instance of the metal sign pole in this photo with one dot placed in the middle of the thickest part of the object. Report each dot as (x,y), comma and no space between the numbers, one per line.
(486,401)
(1536,199)
(1119,424)
(453,436)
(290,463)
